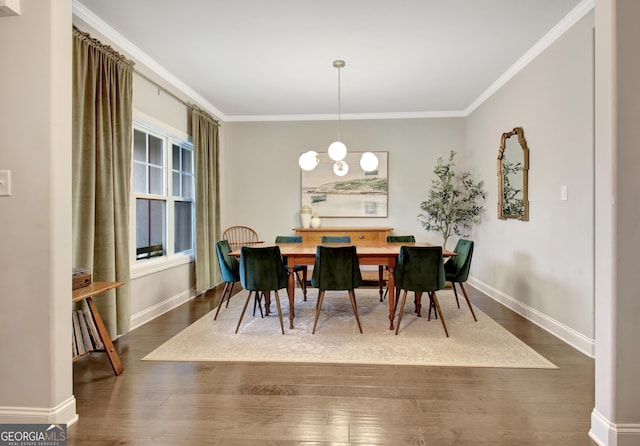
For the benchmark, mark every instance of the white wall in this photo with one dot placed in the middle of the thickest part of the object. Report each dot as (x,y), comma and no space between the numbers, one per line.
(615,420)
(164,109)
(543,268)
(262,178)
(35,221)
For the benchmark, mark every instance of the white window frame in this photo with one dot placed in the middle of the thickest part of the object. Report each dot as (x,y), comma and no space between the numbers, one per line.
(170,259)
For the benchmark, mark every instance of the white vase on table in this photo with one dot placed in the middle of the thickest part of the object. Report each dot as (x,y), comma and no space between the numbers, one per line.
(315,221)
(305,216)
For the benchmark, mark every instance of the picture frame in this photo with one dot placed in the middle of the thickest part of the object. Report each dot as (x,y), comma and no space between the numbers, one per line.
(356,194)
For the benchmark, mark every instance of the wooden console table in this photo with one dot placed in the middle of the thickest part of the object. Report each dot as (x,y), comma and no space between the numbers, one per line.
(87,293)
(358,235)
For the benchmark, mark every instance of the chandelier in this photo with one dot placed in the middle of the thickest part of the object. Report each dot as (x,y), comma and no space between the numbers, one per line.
(337,150)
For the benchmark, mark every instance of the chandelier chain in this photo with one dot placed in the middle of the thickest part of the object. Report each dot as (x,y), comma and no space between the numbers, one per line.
(339,104)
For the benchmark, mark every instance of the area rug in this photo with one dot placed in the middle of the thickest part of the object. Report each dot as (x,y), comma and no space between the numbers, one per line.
(337,339)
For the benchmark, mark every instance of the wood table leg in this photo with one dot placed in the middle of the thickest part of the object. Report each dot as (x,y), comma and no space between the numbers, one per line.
(381,280)
(114,359)
(392,293)
(418,303)
(267,302)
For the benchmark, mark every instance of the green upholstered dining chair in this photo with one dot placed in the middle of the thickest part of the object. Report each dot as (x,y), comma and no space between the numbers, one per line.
(297,269)
(336,268)
(229,270)
(397,239)
(421,269)
(457,268)
(335,239)
(262,270)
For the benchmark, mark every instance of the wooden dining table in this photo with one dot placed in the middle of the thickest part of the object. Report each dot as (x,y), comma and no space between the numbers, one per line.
(380,254)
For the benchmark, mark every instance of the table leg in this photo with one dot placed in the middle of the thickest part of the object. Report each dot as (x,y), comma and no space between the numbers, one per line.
(106,339)
(392,293)
(267,302)
(381,280)
(291,289)
(418,303)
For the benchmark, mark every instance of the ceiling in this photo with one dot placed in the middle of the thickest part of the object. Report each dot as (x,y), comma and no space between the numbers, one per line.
(273,59)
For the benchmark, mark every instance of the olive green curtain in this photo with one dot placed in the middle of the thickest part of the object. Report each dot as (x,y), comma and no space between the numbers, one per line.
(102,128)
(207,202)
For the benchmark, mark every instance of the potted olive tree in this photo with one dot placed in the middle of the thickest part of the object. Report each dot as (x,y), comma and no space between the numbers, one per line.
(454,203)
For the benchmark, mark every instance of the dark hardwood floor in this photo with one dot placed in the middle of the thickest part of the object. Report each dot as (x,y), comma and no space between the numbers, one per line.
(162,403)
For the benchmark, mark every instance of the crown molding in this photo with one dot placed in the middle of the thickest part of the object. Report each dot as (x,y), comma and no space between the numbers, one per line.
(347,117)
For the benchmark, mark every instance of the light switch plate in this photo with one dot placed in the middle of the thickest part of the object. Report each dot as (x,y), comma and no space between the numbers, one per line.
(564,193)
(5,183)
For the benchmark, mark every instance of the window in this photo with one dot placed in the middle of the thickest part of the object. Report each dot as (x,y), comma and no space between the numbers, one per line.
(163,192)
(182,178)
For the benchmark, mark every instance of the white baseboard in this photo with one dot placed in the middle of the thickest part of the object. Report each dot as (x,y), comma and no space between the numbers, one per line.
(558,329)
(63,413)
(606,433)
(160,308)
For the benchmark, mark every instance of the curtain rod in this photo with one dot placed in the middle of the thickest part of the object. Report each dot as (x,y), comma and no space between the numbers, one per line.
(170,93)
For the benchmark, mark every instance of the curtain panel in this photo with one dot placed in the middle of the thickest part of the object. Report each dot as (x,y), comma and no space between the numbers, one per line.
(102,135)
(207,202)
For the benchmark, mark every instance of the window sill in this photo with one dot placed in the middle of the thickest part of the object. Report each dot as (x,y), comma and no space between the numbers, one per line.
(151,266)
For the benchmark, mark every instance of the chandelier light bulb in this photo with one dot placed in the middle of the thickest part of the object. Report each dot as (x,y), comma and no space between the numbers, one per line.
(309,160)
(337,151)
(340,168)
(369,162)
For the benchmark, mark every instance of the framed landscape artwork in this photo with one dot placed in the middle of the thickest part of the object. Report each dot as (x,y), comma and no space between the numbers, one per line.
(357,194)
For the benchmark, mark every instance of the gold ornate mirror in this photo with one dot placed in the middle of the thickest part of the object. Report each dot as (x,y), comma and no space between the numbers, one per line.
(513,176)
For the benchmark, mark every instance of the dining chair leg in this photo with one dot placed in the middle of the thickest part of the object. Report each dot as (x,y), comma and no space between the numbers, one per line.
(318,307)
(455,293)
(466,296)
(432,307)
(258,302)
(229,295)
(244,308)
(395,307)
(354,305)
(303,287)
(404,300)
(254,306)
(437,305)
(224,291)
(279,311)
(304,280)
